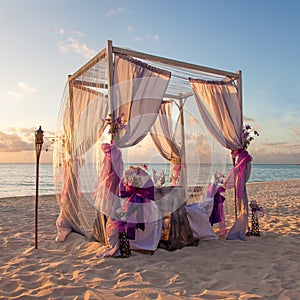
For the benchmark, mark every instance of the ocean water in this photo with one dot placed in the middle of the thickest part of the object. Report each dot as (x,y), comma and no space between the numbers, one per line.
(20,179)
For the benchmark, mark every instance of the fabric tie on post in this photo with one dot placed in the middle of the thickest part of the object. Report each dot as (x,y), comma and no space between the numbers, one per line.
(238,171)
(217,214)
(239,175)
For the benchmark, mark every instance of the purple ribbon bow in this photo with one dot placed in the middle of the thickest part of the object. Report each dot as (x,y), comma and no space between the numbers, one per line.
(136,197)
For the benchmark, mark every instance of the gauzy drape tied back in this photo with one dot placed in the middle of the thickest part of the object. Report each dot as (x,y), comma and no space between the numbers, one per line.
(106,193)
(243,157)
(66,174)
(134,204)
(112,159)
(111,149)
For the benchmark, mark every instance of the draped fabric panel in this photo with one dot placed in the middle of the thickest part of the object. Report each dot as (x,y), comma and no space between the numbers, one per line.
(137,93)
(91,117)
(81,120)
(220,109)
(163,136)
(85,110)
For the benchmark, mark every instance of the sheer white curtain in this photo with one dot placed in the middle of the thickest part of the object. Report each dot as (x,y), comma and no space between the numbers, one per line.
(162,134)
(137,93)
(220,109)
(82,123)
(83,118)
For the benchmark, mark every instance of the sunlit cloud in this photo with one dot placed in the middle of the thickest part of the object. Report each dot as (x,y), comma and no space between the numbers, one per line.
(296,132)
(59,29)
(26,88)
(72,45)
(275,144)
(21,140)
(144,152)
(15,94)
(22,88)
(119,10)
(13,142)
(78,33)
(281,154)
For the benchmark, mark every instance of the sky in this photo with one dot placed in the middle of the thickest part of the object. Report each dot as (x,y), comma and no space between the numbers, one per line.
(42,42)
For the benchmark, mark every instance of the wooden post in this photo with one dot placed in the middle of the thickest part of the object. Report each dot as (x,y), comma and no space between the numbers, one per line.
(109,59)
(109,64)
(182,142)
(240,94)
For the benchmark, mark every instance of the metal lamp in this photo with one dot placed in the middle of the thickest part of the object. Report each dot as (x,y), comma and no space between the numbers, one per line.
(39,140)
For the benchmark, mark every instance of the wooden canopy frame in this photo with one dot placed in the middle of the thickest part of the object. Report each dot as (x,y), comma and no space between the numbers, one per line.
(110,50)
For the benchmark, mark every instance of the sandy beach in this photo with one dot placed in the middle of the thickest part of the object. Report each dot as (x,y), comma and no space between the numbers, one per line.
(265,267)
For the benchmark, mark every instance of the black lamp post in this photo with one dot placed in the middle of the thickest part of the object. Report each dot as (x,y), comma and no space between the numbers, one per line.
(39,140)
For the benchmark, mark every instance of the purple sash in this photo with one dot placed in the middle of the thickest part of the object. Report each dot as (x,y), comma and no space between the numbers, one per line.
(134,208)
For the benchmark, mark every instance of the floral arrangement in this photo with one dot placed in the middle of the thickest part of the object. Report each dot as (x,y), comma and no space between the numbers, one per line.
(115,124)
(135,176)
(248,135)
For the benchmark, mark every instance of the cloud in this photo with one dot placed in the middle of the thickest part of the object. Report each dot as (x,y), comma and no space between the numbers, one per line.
(15,94)
(21,140)
(296,132)
(22,89)
(280,154)
(119,10)
(72,45)
(78,33)
(59,29)
(248,120)
(26,88)
(154,37)
(12,142)
(137,38)
(148,36)
(275,144)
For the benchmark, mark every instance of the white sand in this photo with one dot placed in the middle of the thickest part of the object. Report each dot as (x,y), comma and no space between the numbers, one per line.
(266,267)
